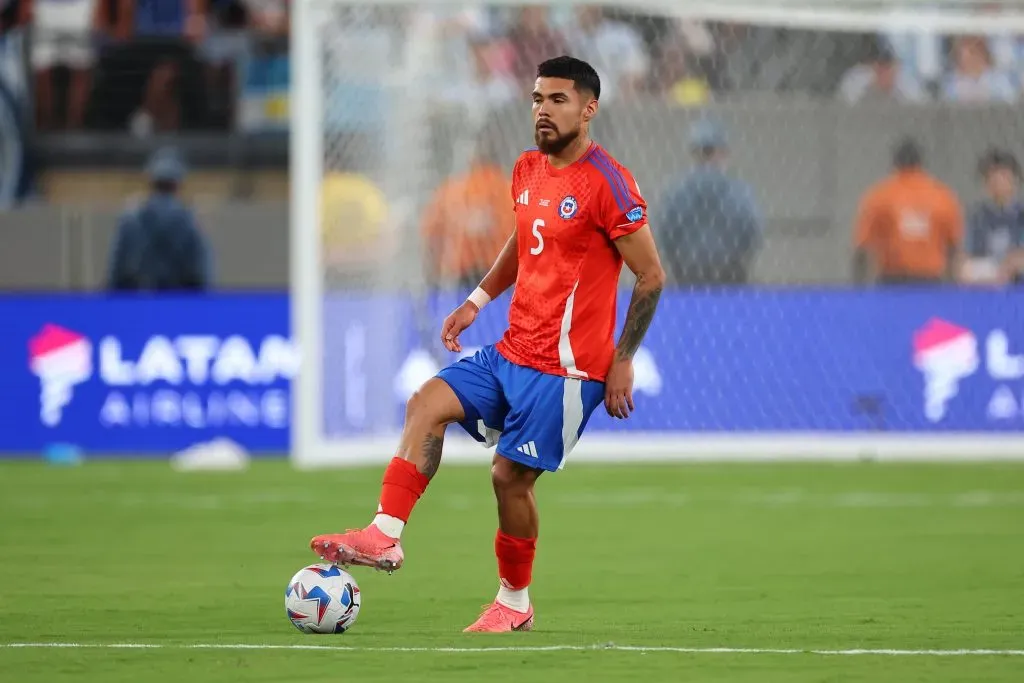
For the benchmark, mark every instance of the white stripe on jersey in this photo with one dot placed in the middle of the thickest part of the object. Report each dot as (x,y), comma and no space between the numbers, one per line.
(565,354)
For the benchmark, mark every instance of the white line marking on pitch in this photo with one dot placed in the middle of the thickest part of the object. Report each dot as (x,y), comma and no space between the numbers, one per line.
(614,498)
(528,648)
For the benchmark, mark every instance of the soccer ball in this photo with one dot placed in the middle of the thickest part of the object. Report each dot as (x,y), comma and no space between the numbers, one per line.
(322,598)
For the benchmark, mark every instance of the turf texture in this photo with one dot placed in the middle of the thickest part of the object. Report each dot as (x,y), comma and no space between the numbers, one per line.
(791,558)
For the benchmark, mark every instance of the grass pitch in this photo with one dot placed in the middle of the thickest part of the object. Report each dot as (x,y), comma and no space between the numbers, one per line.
(787,558)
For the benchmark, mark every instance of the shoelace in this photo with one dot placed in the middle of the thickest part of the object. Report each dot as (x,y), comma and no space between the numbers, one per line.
(484,609)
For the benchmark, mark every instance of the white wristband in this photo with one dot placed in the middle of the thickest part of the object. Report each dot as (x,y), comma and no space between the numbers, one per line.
(480,298)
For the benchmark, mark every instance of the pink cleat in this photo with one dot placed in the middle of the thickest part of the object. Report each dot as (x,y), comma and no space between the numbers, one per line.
(497,618)
(369,547)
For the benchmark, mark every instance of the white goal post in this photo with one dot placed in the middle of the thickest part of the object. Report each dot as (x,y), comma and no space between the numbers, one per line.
(795,365)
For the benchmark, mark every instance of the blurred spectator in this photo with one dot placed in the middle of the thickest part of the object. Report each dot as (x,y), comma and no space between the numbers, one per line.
(995,229)
(453,29)
(487,86)
(909,225)
(736,54)
(613,48)
(693,36)
(153,80)
(10,14)
(158,245)
(246,43)
(924,52)
(174,18)
(974,79)
(361,55)
(533,40)
(268,17)
(63,35)
(355,225)
(1006,43)
(710,228)
(469,219)
(879,79)
(676,77)
(263,73)
(226,45)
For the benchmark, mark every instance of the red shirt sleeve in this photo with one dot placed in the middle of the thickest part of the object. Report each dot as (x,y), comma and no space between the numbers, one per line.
(623,210)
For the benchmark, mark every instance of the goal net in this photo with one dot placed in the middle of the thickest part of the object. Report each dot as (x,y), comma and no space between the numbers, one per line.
(754,131)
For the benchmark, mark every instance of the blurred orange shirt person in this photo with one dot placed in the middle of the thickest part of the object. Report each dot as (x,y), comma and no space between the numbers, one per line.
(466,224)
(910,225)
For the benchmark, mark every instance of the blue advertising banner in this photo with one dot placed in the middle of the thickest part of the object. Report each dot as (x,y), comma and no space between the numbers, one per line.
(145,374)
(138,375)
(747,360)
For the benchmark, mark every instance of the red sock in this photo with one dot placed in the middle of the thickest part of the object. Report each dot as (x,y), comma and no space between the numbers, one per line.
(403,485)
(515,560)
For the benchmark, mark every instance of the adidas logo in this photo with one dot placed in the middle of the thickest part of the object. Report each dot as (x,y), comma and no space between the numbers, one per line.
(529,449)
(524,198)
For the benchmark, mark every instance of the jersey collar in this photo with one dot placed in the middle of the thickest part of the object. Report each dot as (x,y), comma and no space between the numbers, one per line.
(555,172)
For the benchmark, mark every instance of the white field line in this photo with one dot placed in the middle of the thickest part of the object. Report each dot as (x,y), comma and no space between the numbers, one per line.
(858,652)
(625,498)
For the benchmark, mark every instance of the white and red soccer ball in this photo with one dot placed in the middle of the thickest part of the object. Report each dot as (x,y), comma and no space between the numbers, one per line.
(322,598)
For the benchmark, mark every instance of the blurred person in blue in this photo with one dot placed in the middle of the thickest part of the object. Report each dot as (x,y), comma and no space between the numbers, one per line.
(158,245)
(975,77)
(994,243)
(709,225)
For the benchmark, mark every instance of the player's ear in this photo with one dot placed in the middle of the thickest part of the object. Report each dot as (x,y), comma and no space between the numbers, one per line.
(590,110)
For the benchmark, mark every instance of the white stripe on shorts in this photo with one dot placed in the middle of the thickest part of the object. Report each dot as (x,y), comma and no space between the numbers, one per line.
(572,415)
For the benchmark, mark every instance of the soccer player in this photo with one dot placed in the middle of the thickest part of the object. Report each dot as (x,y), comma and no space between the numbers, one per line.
(579,215)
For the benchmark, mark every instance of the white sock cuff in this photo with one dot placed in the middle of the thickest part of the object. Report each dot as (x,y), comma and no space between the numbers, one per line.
(391,526)
(518,600)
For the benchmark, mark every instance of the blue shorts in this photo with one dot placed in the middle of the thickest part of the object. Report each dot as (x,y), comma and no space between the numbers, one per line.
(535,418)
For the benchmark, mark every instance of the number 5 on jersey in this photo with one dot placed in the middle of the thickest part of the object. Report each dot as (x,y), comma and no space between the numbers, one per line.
(537,225)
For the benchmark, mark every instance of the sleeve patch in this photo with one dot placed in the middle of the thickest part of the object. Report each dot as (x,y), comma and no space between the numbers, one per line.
(635,214)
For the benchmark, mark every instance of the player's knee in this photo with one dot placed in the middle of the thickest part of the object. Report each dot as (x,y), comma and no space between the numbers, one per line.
(508,476)
(417,408)
(432,404)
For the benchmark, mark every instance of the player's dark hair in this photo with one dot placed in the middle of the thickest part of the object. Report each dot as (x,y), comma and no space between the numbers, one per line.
(583,76)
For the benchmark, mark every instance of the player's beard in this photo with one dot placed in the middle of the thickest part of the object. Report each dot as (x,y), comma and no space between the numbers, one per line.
(555,144)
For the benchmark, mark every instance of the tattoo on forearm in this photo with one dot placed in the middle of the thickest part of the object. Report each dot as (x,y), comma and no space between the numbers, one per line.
(638,319)
(431,455)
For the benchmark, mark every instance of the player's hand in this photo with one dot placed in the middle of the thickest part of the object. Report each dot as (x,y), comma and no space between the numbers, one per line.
(458,320)
(618,388)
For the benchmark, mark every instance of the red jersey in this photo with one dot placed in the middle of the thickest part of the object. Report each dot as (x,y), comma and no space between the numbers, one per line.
(562,316)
